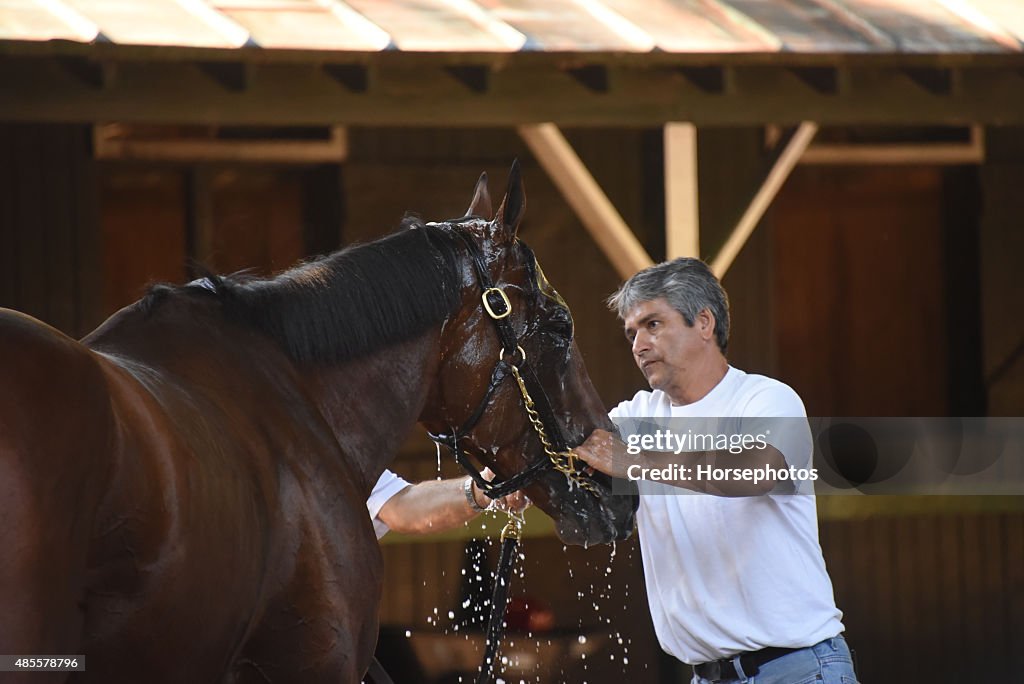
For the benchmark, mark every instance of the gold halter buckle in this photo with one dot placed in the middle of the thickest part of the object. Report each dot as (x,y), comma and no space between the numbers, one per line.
(487,304)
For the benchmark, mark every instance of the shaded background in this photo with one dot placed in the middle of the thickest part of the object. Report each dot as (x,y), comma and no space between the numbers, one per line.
(873,288)
(865,288)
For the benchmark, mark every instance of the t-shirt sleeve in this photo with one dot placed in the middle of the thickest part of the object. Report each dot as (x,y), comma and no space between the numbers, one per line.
(777,412)
(628,415)
(388,484)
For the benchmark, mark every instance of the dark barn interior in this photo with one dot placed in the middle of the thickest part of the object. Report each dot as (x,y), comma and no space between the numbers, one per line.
(882,278)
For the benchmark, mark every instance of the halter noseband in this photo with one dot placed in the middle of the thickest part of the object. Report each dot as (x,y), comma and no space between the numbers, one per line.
(497,306)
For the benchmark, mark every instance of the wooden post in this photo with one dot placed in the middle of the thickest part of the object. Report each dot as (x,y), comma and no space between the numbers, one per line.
(682,222)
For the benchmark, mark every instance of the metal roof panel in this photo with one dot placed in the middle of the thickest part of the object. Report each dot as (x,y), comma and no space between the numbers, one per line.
(31,20)
(439,25)
(695,26)
(924,26)
(937,27)
(999,18)
(569,26)
(304,24)
(812,26)
(155,22)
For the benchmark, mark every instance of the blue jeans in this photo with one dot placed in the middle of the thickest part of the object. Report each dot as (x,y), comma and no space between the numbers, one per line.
(827,662)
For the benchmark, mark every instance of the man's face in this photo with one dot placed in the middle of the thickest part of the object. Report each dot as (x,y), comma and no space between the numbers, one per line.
(665,348)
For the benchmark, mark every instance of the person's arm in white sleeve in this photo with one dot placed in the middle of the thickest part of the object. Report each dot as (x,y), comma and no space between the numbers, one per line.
(431,505)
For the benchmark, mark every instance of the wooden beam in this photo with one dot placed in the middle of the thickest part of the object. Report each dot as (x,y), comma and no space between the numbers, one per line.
(354,77)
(909,152)
(232,76)
(937,154)
(586,198)
(710,79)
(107,144)
(823,80)
(935,81)
(593,77)
(785,163)
(475,77)
(95,75)
(403,91)
(682,223)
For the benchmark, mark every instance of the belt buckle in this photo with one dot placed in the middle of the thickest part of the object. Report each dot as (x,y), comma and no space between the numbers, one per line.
(714,671)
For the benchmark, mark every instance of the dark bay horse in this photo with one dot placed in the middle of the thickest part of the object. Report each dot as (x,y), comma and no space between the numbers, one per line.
(182,493)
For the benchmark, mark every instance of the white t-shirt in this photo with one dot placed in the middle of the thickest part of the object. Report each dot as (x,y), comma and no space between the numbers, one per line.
(728,575)
(388,484)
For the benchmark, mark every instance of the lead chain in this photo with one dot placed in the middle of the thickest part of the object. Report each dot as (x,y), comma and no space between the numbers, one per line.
(563,461)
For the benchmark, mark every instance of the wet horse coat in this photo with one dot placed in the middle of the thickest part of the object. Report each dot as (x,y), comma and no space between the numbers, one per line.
(183,492)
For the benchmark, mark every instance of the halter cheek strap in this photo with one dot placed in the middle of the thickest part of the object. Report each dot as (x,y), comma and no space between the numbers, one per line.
(494,490)
(496,303)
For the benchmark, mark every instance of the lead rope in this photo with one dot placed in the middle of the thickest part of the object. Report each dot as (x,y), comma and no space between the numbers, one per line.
(564,462)
(510,537)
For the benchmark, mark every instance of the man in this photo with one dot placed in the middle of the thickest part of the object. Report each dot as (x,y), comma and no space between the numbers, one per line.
(431,505)
(735,579)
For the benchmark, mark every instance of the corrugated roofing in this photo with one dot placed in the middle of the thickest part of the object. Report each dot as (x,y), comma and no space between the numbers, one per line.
(306,24)
(496,26)
(150,22)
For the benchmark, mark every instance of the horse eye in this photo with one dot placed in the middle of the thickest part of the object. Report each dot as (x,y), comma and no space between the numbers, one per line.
(561,326)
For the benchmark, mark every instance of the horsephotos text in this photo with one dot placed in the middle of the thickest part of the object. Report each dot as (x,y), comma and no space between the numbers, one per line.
(676,443)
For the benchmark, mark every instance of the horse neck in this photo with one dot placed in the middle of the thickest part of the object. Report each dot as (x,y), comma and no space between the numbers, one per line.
(373,402)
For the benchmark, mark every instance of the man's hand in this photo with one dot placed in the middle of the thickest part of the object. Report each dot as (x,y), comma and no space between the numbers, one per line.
(516,502)
(605,452)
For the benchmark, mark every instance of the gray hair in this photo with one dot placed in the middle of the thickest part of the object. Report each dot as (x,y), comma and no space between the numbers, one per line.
(687,284)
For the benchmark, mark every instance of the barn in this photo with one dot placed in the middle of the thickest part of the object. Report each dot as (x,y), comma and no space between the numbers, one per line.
(852,168)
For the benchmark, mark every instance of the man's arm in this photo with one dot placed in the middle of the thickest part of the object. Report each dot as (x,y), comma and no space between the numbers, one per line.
(439,505)
(605,452)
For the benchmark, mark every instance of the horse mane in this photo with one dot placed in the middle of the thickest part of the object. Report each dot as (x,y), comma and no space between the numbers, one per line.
(348,303)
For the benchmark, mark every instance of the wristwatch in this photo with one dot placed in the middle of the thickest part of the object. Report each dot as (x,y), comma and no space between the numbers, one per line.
(467,488)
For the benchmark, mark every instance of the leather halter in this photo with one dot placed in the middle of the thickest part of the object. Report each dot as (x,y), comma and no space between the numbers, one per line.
(498,308)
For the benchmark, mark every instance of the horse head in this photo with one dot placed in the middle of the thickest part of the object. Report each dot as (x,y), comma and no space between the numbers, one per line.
(512,389)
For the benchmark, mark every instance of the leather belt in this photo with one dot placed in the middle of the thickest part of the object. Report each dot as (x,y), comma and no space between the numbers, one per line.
(725,669)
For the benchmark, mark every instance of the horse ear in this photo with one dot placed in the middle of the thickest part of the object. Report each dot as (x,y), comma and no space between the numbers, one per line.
(481,203)
(510,213)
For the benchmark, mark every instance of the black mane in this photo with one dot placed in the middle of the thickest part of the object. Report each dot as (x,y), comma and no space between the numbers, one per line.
(353,301)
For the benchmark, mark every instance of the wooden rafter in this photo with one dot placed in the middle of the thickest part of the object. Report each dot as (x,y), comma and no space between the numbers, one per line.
(585,196)
(787,160)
